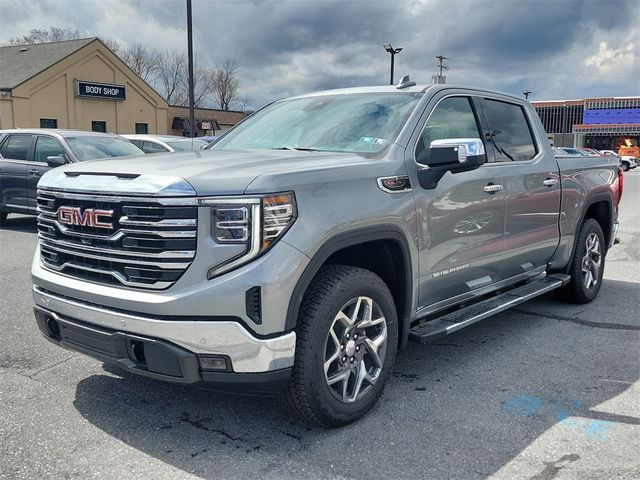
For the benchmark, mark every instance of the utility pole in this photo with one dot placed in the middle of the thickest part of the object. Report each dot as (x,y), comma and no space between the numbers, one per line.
(526,94)
(192,119)
(439,77)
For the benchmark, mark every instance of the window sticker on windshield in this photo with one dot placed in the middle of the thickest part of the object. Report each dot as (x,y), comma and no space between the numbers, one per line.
(373,140)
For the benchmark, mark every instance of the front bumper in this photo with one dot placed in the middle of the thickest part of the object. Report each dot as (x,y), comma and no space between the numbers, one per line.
(245,352)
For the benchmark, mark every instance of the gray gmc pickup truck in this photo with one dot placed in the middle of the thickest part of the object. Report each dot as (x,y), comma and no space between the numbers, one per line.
(303,249)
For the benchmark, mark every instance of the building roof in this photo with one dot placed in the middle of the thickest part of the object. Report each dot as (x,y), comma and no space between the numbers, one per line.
(21,62)
(222,117)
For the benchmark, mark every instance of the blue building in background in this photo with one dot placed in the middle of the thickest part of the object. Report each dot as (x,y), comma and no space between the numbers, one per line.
(601,123)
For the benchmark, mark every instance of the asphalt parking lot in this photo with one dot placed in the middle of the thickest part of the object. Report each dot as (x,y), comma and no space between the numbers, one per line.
(548,391)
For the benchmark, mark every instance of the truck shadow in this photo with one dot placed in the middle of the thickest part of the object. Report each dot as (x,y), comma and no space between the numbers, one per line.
(463,407)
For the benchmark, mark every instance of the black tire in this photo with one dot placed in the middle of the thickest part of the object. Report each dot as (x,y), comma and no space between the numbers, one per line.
(3,218)
(576,291)
(626,166)
(308,393)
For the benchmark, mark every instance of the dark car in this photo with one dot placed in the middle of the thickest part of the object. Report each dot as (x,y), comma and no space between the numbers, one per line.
(26,154)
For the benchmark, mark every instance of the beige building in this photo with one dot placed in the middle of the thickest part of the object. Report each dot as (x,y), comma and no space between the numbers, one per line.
(76,84)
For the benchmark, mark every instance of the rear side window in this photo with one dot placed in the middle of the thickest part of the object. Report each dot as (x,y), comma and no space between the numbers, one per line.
(17,147)
(509,132)
(149,147)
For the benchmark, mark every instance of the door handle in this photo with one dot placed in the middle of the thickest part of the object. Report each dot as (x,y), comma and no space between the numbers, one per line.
(33,171)
(550,182)
(492,188)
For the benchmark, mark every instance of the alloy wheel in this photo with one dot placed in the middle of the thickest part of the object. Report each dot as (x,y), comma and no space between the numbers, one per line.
(355,349)
(591,261)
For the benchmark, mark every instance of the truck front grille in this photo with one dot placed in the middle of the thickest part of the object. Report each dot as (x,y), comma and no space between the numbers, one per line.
(139,243)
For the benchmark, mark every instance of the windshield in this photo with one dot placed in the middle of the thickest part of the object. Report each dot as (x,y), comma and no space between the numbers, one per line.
(357,123)
(90,147)
(186,145)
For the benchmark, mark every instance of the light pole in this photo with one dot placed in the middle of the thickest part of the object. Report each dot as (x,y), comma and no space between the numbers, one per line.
(526,94)
(392,51)
(190,59)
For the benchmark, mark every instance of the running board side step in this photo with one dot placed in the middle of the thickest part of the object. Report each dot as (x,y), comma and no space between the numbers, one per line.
(425,331)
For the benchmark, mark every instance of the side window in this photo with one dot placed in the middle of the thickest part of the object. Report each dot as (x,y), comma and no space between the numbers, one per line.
(509,132)
(47,147)
(142,128)
(98,126)
(137,143)
(148,147)
(453,117)
(17,147)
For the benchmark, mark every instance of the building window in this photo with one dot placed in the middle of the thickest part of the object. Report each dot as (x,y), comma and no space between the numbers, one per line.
(142,128)
(48,123)
(98,126)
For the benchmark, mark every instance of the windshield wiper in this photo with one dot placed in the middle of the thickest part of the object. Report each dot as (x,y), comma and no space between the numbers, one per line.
(300,149)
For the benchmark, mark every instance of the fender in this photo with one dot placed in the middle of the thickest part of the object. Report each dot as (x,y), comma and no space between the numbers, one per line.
(592,200)
(349,239)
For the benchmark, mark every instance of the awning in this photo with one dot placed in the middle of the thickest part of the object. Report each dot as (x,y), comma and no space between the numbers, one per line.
(182,123)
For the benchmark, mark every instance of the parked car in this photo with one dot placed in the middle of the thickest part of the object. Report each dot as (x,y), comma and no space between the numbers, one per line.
(573,151)
(165,143)
(299,252)
(627,162)
(592,152)
(27,154)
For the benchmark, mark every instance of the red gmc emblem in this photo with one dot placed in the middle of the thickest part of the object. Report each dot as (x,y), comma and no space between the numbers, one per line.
(89,217)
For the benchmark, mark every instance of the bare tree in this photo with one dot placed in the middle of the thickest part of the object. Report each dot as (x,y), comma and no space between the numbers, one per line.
(204,82)
(141,59)
(226,88)
(245,104)
(170,77)
(112,45)
(39,35)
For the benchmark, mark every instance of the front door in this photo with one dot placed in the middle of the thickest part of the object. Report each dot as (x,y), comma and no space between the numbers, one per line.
(461,220)
(14,153)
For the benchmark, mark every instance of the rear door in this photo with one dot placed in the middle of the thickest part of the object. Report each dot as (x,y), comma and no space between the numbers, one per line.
(531,185)
(15,150)
(461,220)
(45,146)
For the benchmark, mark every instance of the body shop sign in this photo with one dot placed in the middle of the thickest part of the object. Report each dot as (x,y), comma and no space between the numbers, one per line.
(100,90)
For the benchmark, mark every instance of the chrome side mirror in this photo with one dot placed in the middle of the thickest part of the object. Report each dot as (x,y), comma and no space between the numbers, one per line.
(455,153)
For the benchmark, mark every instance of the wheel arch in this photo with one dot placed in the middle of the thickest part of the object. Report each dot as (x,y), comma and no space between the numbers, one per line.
(600,208)
(391,244)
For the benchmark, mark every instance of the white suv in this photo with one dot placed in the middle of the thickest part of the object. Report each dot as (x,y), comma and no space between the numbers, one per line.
(165,143)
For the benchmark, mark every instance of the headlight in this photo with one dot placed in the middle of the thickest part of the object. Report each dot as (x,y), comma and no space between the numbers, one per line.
(257,223)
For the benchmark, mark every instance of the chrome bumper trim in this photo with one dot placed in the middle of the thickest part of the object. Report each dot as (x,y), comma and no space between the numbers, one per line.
(248,354)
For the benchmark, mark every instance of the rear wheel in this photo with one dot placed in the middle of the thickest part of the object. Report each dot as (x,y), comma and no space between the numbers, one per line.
(347,337)
(587,266)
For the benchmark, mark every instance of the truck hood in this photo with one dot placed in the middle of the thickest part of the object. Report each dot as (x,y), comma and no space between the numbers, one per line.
(208,172)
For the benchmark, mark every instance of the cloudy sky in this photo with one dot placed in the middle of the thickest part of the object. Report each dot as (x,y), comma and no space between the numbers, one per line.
(555,48)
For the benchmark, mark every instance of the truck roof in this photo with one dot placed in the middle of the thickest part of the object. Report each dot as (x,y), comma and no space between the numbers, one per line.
(418,88)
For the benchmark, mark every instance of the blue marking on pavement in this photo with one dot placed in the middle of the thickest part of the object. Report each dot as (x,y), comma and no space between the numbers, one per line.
(522,406)
(526,406)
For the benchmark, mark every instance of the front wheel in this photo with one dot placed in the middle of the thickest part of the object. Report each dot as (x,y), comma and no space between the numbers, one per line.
(347,337)
(587,265)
